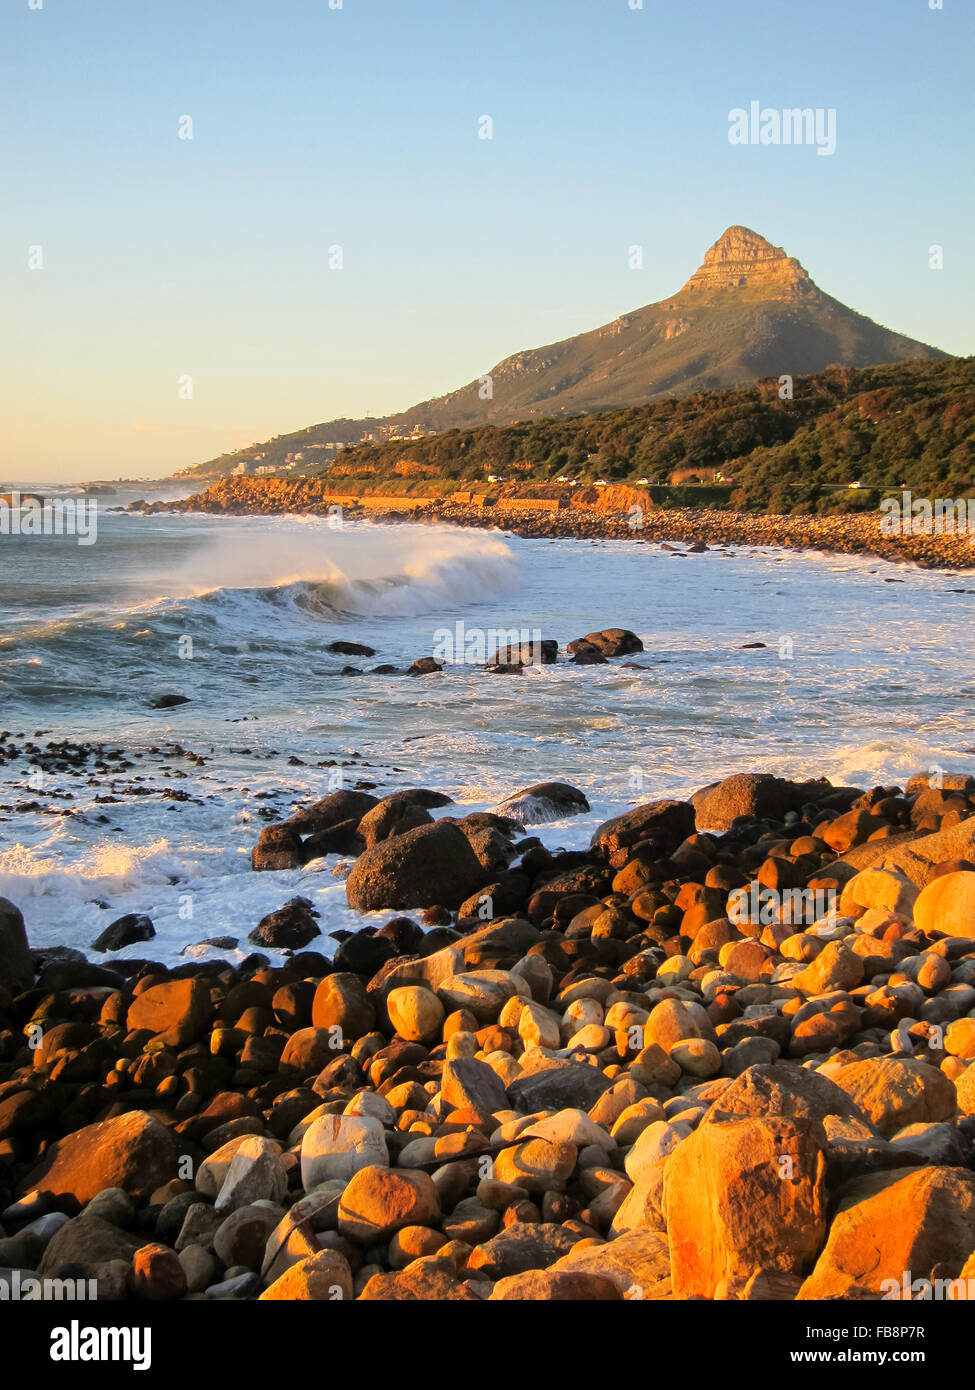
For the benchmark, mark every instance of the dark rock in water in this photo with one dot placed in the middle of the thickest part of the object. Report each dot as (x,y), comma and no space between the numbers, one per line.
(544,652)
(331,810)
(424,666)
(16,966)
(487,820)
(611,641)
(403,932)
(364,953)
(384,670)
(219,943)
(343,838)
(168,701)
(752,646)
(351,649)
(420,796)
(124,931)
(278,847)
(432,864)
(290,927)
(698,548)
(351,671)
(393,816)
(507,669)
(586,654)
(665,823)
(545,801)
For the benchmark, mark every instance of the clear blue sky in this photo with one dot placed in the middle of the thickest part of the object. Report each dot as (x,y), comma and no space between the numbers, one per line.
(359,127)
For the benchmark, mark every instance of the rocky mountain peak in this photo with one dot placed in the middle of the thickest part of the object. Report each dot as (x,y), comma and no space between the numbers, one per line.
(742,260)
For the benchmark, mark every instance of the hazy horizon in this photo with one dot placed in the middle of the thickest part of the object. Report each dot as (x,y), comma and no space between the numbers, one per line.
(164,258)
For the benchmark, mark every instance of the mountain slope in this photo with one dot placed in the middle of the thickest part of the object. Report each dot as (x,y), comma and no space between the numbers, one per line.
(748,311)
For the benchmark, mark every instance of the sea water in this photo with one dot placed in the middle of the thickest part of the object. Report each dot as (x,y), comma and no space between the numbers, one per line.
(861,679)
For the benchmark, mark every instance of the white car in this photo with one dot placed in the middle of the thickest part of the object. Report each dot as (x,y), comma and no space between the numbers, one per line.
(643,482)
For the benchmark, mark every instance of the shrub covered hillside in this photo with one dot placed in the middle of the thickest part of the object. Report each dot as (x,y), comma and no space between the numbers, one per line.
(910,423)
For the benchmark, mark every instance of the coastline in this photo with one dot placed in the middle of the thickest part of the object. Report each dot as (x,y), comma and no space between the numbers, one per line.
(609,518)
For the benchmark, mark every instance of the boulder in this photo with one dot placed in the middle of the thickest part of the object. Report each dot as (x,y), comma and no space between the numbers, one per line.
(520,1247)
(754,794)
(380,1201)
(917,857)
(256,1174)
(562,1086)
(288,928)
(537,1165)
(338,1146)
(786,1090)
(157,1274)
(426,867)
(637,1262)
(308,1051)
(132,1151)
(415,1012)
(886,888)
(242,1237)
(16,966)
(664,823)
(744,1195)
(87,1241)
(483,992)
(892,1092)
(608,641)
(835,968)
(545,801)
(344,648)
(947,905)
(391,816)
(430,1279)
(330,811)
(177,1012)
(124,931)
(889,1224)
(469,1084)
(321,1278)
(341,1002)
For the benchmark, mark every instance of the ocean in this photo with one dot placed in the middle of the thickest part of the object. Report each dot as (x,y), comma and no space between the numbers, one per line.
(867,675)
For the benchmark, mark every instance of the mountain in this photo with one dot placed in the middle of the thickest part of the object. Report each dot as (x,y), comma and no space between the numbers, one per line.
(748,311)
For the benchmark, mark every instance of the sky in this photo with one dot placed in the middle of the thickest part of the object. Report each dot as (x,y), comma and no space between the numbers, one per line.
(167,299)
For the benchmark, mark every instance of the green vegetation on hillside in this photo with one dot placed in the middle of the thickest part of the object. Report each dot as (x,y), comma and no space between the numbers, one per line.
(910,423)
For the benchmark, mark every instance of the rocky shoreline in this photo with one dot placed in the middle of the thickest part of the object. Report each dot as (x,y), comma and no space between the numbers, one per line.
(726,1052)
(589,516)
